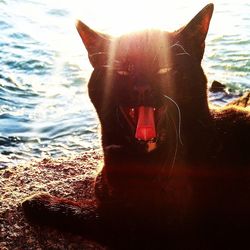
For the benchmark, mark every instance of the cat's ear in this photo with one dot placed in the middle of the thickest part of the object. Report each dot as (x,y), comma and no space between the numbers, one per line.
(96,43)
(193,35)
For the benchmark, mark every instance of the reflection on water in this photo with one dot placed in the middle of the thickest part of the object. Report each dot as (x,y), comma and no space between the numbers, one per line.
(44,107)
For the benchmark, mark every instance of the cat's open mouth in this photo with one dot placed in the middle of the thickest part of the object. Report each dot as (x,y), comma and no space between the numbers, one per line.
(143,122)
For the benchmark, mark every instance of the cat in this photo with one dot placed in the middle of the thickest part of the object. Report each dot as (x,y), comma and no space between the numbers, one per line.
(176,171)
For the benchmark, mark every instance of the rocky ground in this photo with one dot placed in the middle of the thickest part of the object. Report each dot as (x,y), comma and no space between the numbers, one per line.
(63,177)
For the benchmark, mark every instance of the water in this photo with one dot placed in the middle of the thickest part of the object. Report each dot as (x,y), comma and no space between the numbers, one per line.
(44,107)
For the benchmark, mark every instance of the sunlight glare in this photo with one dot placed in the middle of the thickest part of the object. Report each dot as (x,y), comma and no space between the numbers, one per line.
(118,17)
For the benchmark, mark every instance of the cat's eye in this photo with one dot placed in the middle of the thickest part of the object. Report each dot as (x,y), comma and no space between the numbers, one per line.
(163,71)
(122,72)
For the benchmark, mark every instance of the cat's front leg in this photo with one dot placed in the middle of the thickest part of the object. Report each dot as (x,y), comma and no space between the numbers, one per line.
(61,213)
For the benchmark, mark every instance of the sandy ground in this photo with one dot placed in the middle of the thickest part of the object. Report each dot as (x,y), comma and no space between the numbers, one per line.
(63,177)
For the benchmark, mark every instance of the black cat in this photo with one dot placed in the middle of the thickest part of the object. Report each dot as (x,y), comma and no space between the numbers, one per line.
(176,173)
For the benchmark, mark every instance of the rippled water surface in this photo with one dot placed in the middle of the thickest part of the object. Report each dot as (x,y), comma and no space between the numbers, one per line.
(44,107)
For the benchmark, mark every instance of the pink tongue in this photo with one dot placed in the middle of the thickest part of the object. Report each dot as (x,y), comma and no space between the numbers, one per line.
(146,125)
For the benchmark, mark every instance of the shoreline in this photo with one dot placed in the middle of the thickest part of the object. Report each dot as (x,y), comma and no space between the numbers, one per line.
(218,96)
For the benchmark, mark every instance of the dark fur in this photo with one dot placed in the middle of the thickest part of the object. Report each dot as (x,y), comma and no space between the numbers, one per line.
(192,190)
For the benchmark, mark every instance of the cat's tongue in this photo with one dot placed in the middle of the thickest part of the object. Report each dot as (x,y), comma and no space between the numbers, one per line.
(145,129)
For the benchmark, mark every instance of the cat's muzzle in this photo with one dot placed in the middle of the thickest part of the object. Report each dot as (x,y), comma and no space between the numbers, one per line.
(142,121)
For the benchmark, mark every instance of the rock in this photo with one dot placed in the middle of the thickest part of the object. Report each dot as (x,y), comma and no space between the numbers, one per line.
(217,87)
(243,101)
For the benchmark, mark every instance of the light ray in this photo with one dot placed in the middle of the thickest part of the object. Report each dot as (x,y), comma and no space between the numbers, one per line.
(110,72)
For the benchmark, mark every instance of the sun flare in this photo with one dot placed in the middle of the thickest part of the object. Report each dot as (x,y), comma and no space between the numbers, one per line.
(117,17)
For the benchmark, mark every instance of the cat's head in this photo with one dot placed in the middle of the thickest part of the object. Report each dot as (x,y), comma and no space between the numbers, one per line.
(144,83)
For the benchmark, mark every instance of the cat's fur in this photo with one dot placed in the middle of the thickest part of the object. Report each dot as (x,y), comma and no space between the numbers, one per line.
(178,176)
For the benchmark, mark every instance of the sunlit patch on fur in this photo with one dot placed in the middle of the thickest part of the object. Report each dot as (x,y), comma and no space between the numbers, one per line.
(122,72)
(163,71)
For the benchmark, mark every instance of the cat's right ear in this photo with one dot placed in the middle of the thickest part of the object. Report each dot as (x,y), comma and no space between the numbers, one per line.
(97,44)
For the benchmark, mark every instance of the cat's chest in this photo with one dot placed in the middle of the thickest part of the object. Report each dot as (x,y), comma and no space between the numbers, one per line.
(145,194)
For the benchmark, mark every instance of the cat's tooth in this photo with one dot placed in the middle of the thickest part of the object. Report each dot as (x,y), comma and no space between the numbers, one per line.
(151,146)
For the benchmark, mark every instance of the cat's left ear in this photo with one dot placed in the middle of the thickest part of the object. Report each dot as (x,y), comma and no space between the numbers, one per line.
(193,35)
(96,43)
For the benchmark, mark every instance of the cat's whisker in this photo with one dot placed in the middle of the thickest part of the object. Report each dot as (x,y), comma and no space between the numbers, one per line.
(118,118)
(155,59)
(97,54)
(176,147)
(179,117)
(117,61)
(182,48)
(107,66)
(172,159)
(182,54)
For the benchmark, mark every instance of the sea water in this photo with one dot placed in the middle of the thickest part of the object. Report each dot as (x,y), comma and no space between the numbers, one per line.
(44,107)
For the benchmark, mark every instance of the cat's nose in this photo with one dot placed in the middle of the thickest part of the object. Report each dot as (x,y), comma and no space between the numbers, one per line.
(142,91)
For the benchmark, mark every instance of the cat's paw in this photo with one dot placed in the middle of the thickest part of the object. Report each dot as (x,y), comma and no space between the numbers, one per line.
(45,209)
(36,205)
